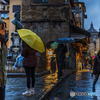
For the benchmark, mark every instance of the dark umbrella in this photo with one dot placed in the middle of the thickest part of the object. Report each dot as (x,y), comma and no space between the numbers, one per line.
(65,40)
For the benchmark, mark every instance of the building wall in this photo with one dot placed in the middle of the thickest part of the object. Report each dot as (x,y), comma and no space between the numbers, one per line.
(48,22)
(82,18)
(97,45)
(45,12)
(56,1)
(6,5)
(49,31)
(94,48)
(91,49)
(81,15)
(11,17)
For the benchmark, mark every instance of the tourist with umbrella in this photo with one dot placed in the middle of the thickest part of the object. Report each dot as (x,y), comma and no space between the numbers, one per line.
(60,57)
(31,43)
(60,53)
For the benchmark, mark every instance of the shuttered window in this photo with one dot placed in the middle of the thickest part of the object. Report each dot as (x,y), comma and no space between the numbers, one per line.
(16,8)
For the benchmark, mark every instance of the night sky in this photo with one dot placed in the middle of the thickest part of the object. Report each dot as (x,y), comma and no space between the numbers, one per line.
(93,13)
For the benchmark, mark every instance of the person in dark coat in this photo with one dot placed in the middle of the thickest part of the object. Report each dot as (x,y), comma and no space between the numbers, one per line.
(96,69)
(3,55)
(30,63)
(60,57)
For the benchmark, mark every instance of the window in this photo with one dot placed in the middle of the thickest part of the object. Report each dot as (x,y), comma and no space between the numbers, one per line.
(80,6)
(44,0)
(39,1)
(4,15)
(2,6)
(77,7)
(16,8)
(36,1)
(7,7)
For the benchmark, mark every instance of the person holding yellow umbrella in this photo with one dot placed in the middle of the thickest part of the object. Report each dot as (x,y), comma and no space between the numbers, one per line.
(31,43)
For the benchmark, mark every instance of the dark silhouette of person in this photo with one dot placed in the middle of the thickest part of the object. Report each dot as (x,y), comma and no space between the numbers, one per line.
(3,54)
(96,69)
(60,57)
(90,62)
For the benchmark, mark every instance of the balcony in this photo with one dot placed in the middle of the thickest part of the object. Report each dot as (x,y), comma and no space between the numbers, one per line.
(4,10)
(76,9)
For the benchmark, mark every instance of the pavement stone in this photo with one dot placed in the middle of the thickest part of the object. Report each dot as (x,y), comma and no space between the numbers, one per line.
(43,86)
(79,82)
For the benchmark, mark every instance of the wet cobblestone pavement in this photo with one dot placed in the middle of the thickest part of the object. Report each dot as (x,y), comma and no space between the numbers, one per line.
(16,86)
(80,81)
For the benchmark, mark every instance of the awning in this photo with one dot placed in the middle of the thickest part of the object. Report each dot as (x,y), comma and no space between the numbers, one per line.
(76,29)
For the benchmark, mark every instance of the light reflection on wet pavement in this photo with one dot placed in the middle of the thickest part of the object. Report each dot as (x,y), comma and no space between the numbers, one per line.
(16,86)
(79,82)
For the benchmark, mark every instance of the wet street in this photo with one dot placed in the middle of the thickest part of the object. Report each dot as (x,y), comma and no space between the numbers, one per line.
(78,86)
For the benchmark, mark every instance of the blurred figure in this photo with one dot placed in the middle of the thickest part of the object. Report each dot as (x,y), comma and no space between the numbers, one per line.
(90,62)
(3,55)
(60,57)
(96,69)
(85,61)
(53,65)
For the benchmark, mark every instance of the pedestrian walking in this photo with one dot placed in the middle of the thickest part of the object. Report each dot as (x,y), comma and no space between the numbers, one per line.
(29,63)
(60,57)
(3,54)
(53,65)
(86,62)
(90,62)
(96,69)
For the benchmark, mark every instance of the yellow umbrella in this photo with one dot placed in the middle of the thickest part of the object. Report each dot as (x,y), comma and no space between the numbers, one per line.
(32,39)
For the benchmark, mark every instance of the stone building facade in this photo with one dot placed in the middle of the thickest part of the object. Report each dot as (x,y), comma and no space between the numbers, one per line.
(79,13)
(49,21)
(94,46)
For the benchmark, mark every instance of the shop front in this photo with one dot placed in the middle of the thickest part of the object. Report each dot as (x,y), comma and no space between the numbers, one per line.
(51,46)
(82,39)
(80,48)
